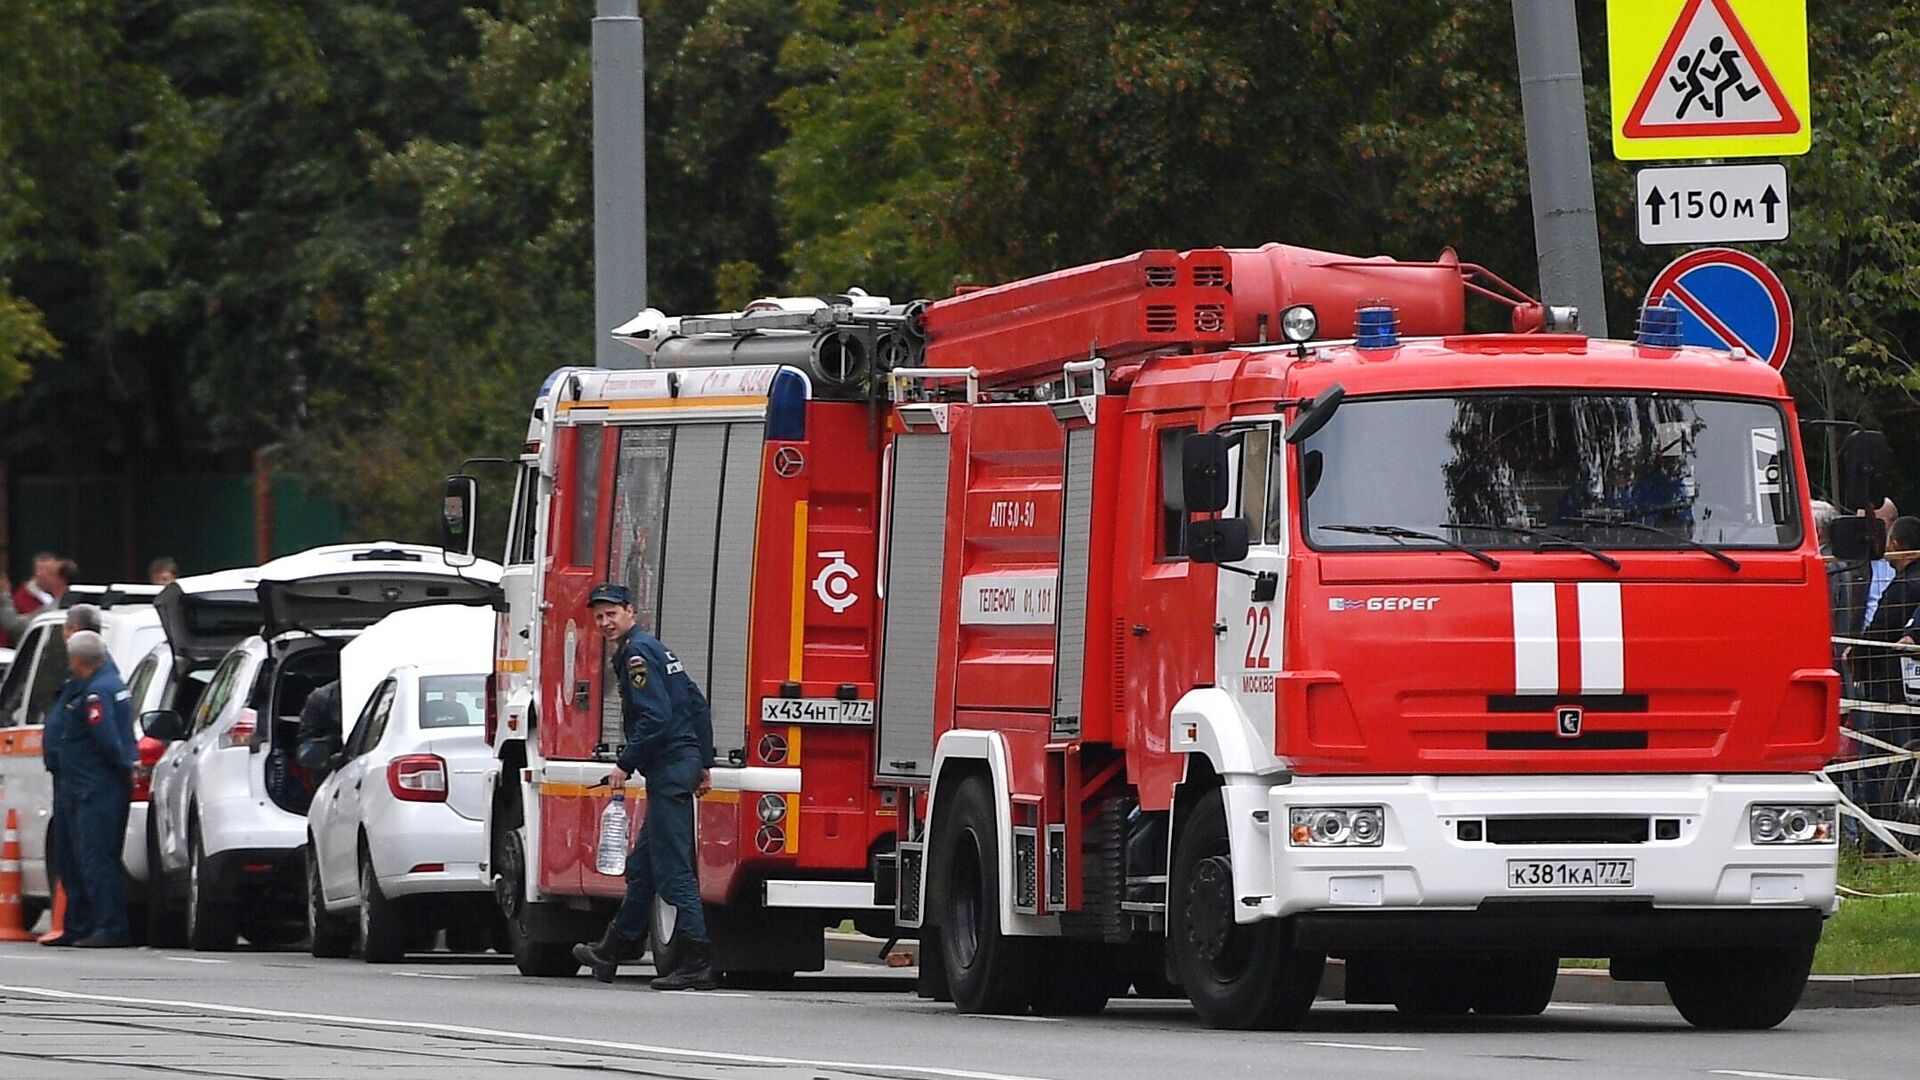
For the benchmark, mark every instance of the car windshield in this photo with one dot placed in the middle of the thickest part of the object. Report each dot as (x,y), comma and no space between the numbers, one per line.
(453,701)
(1514,470)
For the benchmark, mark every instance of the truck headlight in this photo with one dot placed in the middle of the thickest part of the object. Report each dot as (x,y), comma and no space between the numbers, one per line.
(1792,824)
(1337,826)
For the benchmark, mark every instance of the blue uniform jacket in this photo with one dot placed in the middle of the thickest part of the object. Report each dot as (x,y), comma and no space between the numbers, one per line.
(664,714)
(56,716)
(96,734)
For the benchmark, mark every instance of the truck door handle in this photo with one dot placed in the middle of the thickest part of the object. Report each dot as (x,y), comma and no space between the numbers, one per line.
(580,689)
(1139,630)
(903,765)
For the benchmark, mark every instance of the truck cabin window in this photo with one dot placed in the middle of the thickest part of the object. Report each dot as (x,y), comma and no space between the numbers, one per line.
(1173,506)
(1515,470)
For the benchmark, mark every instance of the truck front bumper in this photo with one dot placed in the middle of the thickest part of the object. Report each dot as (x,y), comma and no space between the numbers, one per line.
(1428,863)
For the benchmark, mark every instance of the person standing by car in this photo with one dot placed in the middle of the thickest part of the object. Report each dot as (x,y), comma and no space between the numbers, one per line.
(669,741)
(63,869)
(96,764)
(42,590)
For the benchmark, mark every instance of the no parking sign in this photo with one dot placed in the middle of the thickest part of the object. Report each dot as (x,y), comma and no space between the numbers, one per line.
(1727,300)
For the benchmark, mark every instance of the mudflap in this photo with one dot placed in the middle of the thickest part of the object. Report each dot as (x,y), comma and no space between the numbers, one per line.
(761,940)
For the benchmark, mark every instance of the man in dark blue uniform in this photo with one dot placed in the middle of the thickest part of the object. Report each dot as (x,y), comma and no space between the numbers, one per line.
(669,741)
(96,767)
(63,867)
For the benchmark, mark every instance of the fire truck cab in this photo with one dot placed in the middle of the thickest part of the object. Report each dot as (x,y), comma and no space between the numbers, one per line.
(1289,621)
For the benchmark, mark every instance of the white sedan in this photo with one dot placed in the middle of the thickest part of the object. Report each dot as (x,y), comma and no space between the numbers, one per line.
(397,831)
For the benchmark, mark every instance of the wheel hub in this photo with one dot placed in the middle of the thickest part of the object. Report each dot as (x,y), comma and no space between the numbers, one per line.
(1210,907)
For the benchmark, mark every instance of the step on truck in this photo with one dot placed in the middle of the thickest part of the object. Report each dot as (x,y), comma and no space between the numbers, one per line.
(1242,611)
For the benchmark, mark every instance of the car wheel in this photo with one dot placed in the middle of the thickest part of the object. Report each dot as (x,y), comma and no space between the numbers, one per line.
(165,928)
(989,972)
(210,923)
(383,925)
(329,936)
(1237,976)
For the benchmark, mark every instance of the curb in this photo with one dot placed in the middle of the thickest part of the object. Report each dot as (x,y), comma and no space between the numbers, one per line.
(1576,986)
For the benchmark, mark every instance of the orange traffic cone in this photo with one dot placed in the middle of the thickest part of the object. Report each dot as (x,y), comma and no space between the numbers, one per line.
(11,926)
(59,926)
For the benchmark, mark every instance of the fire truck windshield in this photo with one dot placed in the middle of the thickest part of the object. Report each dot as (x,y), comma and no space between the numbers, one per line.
(1516,470)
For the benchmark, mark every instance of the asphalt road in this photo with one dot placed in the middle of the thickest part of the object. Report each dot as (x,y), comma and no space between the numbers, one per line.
(283,1016)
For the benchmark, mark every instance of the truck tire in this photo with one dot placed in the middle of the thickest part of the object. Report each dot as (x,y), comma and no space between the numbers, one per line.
(329,937)
(1076,978)
(1518,985)
(383,923)
(1749,989)
(988,971)
(668,948)
(536,959)
(1239,977)
(210,923)
(165,927)
(1434,986)
(931,982)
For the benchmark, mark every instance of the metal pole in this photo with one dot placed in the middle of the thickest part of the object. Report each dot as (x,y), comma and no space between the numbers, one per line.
(619,176)
(1565,227)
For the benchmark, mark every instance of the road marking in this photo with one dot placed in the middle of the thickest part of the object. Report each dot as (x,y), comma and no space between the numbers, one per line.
(1767,1075)
(725,993)
(196,960)
(1367,1046)
(882,1068)
(1015,1019)
(1571,1008)
(428,975)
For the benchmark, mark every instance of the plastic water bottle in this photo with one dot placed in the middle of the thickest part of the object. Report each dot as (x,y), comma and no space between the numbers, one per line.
(611,856)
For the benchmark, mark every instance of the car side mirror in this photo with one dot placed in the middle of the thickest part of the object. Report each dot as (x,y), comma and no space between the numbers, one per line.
(1218,540)
(335,760)
(1203,473)
(457,508)
(1316,414)
(163,724)
(1850,539)
(1866,470)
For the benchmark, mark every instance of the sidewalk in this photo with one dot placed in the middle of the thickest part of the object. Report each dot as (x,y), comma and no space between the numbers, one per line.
(1576,986)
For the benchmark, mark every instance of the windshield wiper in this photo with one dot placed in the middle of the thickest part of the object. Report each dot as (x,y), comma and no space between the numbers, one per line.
(1607,523)
(1396,532)
(1546,536)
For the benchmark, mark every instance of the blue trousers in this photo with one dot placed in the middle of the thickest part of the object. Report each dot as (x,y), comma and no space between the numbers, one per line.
(93,820)
(661,861)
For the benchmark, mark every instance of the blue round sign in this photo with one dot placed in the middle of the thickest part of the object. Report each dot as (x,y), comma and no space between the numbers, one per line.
(1727,299)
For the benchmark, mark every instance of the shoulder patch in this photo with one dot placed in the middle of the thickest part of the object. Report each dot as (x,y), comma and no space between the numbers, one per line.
(96,709)
(637,671)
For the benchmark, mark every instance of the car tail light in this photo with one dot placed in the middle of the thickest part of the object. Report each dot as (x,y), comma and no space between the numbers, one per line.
(241,732)
(418,778)
(150,749)
(492,710)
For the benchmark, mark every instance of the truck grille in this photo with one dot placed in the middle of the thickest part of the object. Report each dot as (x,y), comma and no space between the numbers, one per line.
(1567,830)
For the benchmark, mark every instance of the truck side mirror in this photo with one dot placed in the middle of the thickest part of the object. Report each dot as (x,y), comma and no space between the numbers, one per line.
(1218,540)
(163,724)
(1315,415)
(457,510)
(1203,473)
(1850,539)
(1866,470)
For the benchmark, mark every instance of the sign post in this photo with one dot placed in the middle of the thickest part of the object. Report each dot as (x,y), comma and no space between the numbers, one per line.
(1712,204)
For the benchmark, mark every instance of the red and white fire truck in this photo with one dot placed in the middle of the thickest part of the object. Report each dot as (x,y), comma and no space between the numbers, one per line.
(1186,619)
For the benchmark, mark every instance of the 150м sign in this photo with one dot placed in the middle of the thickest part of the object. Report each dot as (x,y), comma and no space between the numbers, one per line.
(1712,204)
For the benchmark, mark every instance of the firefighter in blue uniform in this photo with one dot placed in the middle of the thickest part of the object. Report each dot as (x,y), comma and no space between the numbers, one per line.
(62,866)
(96,766)
(669,741)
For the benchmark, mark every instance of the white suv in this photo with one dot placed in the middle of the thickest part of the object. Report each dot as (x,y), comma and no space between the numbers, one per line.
(230,801)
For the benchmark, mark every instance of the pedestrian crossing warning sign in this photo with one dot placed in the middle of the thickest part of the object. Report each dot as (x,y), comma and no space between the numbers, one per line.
(1708,78)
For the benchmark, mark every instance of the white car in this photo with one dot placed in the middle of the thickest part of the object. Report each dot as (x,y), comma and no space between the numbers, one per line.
(397,832)
(230,802)
(130,626)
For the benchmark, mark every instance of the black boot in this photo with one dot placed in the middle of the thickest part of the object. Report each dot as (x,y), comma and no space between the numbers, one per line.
(605,956)
(695,971)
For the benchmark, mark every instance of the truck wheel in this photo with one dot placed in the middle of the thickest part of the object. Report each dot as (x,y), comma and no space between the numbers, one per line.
(667,946)
(165,930)
(383,925)
(210,924)
(988,971)
(329,937)
(1519,985)
(535,958)
(1237,976)
(1433,986)
(931,982)
(1739,989)
(1076,978)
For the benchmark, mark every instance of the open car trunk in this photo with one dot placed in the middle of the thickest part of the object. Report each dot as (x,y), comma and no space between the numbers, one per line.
(206,615)
(296,668)
(358,598)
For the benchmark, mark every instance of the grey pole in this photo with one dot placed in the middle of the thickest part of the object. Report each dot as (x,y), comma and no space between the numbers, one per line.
(619,177)
(1552,96)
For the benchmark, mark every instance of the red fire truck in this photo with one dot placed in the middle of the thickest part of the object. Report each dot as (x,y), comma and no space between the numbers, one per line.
(1184,620)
